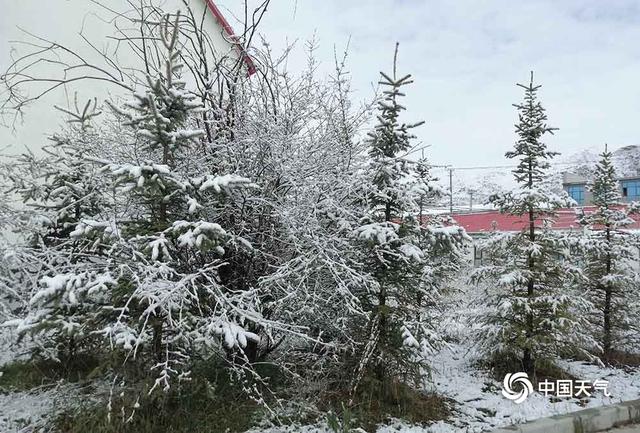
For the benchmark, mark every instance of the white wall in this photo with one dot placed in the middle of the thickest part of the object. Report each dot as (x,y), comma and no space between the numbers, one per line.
(62,21)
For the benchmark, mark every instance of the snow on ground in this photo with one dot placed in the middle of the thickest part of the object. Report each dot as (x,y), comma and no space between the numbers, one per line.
(478,403)
(623,385)
(22,412)
(293,429)
(481,406)
(19,410)
(27,411)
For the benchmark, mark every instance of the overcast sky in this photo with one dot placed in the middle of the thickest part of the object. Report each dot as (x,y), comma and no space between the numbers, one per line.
(465,55)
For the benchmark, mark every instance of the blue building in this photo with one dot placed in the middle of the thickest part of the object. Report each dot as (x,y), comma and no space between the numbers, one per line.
(630,189)
(576,187)
(576,192)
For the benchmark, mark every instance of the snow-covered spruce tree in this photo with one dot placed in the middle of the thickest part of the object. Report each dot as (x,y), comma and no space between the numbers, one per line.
(148,276)
(443,242)
(530,312)
(392,241)
(60,186)
(170,301)
(12,297)
(57,274)
(609,255)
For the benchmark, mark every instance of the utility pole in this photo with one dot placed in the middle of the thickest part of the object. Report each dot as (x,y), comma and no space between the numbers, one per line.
(471,199)
(450,168)
(450,190)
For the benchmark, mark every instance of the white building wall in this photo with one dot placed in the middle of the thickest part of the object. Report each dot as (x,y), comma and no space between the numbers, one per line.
(62,21)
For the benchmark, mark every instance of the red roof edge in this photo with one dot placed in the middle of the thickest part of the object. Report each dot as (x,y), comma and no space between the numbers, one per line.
(251,67)
(492,220)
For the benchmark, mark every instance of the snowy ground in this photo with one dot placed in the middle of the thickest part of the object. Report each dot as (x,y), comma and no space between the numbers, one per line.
(482,407)
(27,411)
(479,404)
(22,412)
(19,410)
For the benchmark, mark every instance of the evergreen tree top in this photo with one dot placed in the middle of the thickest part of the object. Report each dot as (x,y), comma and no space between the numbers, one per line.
(531,127)
(610,212)
(160,113)
(604,186)
(389,136)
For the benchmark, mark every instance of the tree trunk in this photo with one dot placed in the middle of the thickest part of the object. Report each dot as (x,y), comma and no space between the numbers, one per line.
(608,292)
(382,302)
(156,342)
(528,360)
(606,334)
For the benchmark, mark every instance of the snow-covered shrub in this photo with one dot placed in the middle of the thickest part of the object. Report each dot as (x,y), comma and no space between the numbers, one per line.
(237,223)
(132,242)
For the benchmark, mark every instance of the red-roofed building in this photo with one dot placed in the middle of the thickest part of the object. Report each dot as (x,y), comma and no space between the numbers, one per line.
(228,35)
(482,223)
(221,42)
(478,223)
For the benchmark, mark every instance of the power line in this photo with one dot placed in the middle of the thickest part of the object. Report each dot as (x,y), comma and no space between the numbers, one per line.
(489,167)
(451,169)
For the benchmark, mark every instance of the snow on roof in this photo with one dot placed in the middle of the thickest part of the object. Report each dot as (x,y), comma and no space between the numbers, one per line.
(251,68)
(493,220)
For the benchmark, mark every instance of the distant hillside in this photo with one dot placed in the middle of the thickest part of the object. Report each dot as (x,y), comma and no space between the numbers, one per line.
(478,184)
(626,161)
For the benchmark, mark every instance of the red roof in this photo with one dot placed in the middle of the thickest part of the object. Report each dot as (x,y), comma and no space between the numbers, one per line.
(251,67)
(493,220)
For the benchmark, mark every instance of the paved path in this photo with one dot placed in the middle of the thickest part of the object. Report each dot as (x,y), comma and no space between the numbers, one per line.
(628,429)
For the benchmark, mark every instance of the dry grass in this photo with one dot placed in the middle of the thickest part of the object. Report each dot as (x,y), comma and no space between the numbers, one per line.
(377,403)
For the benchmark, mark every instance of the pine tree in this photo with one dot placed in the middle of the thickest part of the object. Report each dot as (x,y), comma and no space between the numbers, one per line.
(65,192)
(172,247)
(393,243)
(443,242)
(609,253)
(425,189)
(147,279)
(71,190)
(530,310)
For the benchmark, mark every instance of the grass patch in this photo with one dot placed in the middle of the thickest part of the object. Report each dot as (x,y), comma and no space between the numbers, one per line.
(547,370)
(184,412)
(25,375)
(375,403)
(211,402)
(623,360)
(501,364)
